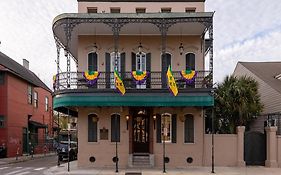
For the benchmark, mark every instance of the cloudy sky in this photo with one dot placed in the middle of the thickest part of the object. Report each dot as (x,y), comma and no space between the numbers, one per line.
(243,31)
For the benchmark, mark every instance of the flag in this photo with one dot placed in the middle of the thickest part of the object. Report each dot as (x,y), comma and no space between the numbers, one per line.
(119,83)
(171,82)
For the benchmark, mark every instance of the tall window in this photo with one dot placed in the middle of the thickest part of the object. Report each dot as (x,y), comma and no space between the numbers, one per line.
(46,103)
(92,128)
(166,127)
(29,94)
(190,61)
(115,63)
(115,128)
(2,120)
(35,99)
(92,61)
(2,78)
(189,129)
(141,66)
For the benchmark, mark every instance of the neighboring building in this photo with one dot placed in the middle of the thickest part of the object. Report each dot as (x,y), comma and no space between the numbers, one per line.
(268,76)
(137,36)
(25,108)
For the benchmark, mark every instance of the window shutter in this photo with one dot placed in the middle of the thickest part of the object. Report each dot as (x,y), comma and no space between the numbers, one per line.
(189,129)
(174,128)
(107,70)
(115,128)
(95,62)
(158,129)
(148,68)
(123,65)
(92,129)
(133,61)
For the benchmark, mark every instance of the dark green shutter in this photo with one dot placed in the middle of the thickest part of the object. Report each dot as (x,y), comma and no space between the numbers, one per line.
(133,61)
(158,129)
(115,128)
(174,128)
(92,129)
(123,65)
(189,129)
(107,70)
(166,62)
(148,68)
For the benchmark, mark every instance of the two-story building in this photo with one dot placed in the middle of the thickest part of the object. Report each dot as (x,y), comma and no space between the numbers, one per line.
(25,109)
(138,40)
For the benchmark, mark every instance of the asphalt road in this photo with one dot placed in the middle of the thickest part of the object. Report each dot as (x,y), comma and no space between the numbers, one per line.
(31,167)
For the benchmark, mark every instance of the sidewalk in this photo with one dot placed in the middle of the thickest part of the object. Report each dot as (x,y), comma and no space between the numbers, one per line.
(4,161)
(252,170)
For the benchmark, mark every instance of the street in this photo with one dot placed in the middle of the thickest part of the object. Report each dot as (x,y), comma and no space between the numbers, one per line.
(31,167)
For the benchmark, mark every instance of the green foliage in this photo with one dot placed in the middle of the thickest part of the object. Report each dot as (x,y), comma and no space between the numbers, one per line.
(237,102)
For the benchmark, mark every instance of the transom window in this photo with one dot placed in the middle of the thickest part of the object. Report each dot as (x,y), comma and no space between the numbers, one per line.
(92,10)
(140,10)
(166,127)
(115,10)
(166,10)
(190,9)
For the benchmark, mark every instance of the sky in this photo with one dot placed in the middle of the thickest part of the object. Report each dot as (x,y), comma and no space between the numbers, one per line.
(243,31)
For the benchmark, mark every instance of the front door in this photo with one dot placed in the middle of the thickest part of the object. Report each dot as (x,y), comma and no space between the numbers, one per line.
(140,132)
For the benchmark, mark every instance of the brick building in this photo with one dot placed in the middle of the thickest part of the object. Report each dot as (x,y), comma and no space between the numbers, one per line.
(25,108)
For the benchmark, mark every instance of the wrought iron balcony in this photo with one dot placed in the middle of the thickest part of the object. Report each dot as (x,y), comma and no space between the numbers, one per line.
(155,80)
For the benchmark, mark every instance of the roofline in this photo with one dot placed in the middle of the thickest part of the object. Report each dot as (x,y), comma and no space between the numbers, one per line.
(140,1)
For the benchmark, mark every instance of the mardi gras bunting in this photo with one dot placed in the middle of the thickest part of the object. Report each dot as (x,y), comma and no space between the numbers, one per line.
(91,76)
(140,76)
(171,82)
(188,75)
(119,83)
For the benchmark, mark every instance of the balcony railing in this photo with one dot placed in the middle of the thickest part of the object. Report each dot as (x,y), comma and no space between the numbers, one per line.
(155,80)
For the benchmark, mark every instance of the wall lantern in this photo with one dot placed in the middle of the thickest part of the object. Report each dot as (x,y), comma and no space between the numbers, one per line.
(127,121)
(140,48)
(154,118)
(95,47)
(95,119)
(181,49)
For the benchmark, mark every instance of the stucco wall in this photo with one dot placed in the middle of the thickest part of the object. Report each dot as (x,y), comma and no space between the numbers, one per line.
(130,7)
(151,44)
(225,148)
(103,150)
(279,151)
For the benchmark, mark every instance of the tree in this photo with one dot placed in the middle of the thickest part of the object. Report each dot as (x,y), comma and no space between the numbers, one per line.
(237,102)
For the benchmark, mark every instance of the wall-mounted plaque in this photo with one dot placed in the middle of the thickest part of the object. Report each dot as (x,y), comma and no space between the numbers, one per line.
(103,134)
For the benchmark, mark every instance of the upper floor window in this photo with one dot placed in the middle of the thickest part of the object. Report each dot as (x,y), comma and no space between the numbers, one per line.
(140,10)
(36,99)
(2,120)
(29,92)
(2,78)
(92,61)
(46,103)
(190,61)
(166,10)
(190,9)
(115,10)
(92,10)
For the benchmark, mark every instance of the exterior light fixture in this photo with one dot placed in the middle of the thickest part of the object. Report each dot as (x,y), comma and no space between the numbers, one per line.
(154,118)
(127,121)
(95,47)
(181,49)
(140,48)
(65,52)
(95,119)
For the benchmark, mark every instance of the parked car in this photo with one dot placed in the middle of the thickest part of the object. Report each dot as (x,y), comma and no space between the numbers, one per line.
(62,149)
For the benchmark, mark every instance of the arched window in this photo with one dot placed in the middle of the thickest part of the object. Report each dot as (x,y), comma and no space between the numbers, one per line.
(92,128)
(92,61)
(115,128)
(189,128)
(190,61)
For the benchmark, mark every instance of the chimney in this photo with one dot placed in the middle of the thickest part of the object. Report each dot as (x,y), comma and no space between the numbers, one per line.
(25,63)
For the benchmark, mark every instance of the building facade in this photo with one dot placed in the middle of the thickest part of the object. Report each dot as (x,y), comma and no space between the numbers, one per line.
(145,124)
(25,109)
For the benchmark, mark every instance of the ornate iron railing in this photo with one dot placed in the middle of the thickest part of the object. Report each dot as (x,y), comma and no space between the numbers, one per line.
(155,80)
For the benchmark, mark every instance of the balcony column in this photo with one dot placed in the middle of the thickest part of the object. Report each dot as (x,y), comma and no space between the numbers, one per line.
(271,147)
(56,82)
(211,51)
